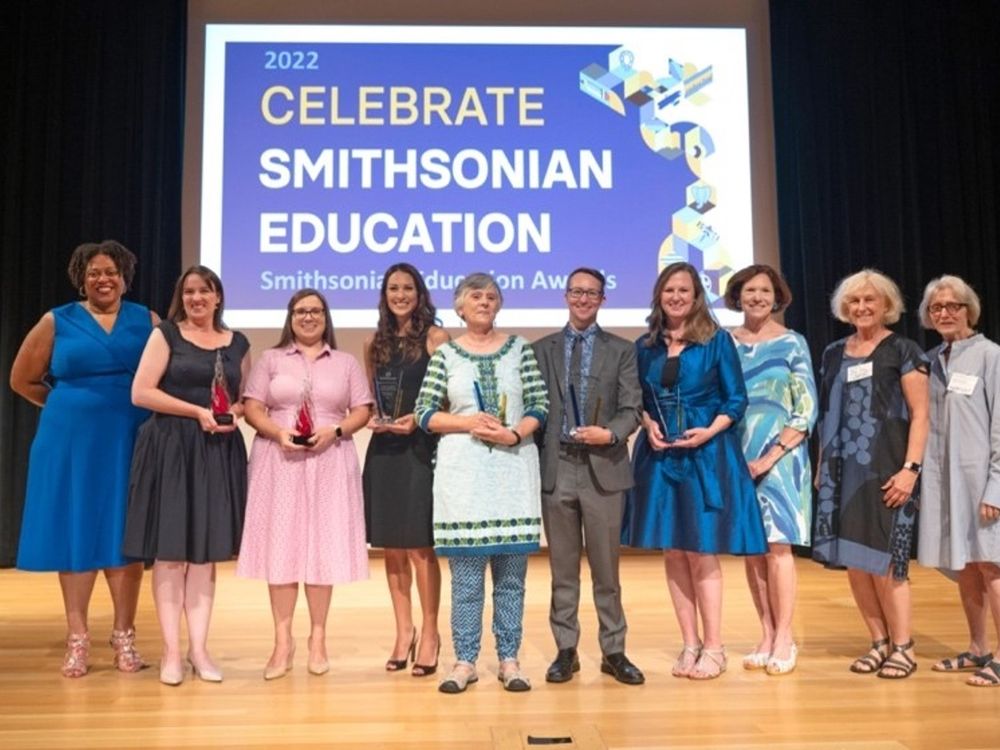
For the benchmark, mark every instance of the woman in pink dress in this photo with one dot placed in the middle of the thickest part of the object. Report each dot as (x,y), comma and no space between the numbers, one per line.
(305,514)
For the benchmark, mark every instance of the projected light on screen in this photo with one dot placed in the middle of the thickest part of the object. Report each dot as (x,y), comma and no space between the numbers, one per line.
(332,152)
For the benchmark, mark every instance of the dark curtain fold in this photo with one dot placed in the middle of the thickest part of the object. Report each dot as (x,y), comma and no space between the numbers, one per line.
(886,137)
(91,145)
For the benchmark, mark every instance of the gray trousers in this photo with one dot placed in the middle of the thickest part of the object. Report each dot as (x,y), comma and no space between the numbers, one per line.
(576,510)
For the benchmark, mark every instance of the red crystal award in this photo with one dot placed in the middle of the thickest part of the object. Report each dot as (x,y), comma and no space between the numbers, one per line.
(220,394)
(304,423)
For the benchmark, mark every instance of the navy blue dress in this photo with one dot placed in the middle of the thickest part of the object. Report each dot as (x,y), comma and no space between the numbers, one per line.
(699,499)
(78,469)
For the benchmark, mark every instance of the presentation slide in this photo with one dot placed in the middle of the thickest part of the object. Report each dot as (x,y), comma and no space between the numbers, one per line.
(331,152)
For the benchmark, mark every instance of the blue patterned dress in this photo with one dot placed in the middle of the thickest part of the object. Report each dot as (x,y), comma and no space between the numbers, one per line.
(695,499)
(781,392)
(864,428)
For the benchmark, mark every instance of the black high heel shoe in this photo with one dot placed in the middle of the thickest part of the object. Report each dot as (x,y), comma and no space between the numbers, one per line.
(397,665)
(426,670)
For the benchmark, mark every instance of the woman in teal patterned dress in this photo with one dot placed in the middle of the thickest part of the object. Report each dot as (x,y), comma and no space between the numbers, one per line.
(781,412)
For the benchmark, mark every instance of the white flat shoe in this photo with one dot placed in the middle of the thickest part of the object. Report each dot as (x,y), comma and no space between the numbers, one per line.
(756,660)
(783,666)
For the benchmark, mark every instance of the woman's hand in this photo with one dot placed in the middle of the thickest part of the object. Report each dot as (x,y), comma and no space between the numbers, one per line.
(693,437)
(988,513)
(759,467)
(404,425)
(899,488)
(284,440)
(377,426)
(495,433)
(206,420)
(323,438)
(653,433)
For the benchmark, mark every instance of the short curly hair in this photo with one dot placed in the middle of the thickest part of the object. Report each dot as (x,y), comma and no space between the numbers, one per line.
(123,258)
(882,284)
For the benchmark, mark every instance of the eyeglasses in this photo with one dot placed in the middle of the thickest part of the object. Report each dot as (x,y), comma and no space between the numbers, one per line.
(579,293)
(308,312)
(952,308)
(96,273)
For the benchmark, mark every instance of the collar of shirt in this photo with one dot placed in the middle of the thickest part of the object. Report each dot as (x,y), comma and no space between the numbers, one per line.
(293,348)
(569,332)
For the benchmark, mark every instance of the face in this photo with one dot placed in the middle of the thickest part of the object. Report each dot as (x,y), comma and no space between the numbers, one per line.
(949,315)
(401,294)
(677,296)
(308,320)
(866,308)
(584,298)
(757,297)
(480,306)
(200,300)
(103,284)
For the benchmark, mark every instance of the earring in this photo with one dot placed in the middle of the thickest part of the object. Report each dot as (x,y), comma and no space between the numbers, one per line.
(775,307)
(83,292)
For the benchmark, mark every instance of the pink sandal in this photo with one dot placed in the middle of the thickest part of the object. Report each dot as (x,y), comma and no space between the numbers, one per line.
(77,653)
(126,658)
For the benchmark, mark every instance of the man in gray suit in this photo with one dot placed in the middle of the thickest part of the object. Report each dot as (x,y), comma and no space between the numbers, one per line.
(594,405)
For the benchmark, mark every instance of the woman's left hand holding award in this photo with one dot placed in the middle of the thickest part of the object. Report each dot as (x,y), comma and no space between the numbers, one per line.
(305,426)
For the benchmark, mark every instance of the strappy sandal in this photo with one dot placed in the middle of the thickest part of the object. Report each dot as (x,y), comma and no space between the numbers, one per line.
(900,661)
(989,676)
(75,661)
(512,678)
(871,662)
(686,660)
(461,676)
(963,662)
(714,656)
(126,658)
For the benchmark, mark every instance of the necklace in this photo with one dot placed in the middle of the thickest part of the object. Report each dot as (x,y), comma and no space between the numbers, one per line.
(92,311)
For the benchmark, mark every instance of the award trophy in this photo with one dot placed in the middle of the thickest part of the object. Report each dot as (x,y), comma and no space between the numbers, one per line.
(670,415)
(220,394)
(304,423)
(388,390)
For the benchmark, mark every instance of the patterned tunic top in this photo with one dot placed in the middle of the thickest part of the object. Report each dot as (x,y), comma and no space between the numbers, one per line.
(487,498)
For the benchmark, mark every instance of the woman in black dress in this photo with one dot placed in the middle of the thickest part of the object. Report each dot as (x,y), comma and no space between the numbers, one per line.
(187,491)
(398,473)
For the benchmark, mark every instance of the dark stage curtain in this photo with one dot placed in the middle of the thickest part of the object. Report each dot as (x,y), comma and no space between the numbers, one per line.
(90,142)
(887,135)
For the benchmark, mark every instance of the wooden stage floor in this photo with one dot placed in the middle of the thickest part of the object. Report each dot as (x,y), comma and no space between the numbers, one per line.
(357,705)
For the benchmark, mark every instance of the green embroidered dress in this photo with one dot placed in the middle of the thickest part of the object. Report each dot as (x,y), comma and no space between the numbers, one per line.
(487,499)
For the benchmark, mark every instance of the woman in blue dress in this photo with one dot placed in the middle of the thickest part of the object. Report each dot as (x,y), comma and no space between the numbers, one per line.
(77,364)
(780,414)
(873,426)
(693,495)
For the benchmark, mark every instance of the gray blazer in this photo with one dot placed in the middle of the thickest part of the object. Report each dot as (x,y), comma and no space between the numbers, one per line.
(614,378)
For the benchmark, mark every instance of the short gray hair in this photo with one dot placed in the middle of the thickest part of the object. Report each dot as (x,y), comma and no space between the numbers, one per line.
(882,284)
(962,290)
(473,282)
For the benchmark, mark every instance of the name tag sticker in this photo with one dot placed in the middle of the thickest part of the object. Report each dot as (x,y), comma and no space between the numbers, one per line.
(859,372)
(959,382)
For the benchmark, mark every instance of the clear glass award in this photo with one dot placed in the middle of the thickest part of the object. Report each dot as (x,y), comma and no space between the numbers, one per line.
(305,425)
(220,394)
(388,395)
(670,415)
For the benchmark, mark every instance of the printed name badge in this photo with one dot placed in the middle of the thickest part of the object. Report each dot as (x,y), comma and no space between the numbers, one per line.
(859,372)
(961,383)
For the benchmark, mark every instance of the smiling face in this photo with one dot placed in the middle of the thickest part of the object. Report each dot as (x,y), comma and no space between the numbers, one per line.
(866,308)
(103,284)
(479,308)
(677,297)
(308,320)
(757,298)
(584,297)
(949,315)
(401,295)
(200,300)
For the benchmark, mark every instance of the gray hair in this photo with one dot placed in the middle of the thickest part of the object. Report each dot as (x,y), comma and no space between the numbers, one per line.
(850,285)
(965,293)
(473,282)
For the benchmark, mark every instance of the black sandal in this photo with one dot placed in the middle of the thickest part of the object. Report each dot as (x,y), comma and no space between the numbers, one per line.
(963,662)
(900,661)
(871,662)
(990,674)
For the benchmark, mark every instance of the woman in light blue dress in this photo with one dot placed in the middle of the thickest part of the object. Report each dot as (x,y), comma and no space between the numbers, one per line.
(693,495)
(781,412)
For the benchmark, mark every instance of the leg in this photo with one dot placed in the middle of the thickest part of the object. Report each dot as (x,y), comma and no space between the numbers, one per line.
(561,514)
(76,591)
(508,573)
(867,600)
(990,574)
(894,596)
(468,581)
(756,571)
(602,521)
(682,594)
(706,573)
(199,595)
(168,594)
(400,578)
(427,573)
(782,581)
(318,598)
(283,598)
(124,584)
(973,587)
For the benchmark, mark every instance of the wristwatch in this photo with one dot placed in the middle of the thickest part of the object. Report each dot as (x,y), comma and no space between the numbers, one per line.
(912,466)
(339,433)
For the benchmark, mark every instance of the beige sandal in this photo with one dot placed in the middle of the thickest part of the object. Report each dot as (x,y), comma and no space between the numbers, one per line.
(461,676)
(687,659)
(709,656)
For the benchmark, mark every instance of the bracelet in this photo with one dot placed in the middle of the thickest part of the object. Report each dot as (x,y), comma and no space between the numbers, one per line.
(517,438)
(784,448)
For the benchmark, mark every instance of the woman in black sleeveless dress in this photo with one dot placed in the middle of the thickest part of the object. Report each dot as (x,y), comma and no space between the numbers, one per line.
(398,474)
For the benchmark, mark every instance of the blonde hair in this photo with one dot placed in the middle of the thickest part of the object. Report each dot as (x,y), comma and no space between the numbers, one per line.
(965,293)
(850,285)
(699,325)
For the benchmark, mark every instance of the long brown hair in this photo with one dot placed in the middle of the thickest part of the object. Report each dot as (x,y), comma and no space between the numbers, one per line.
(699,325)
(176,312)
(288,336)
(387,336)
